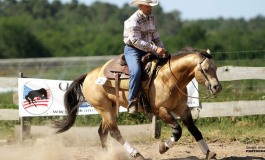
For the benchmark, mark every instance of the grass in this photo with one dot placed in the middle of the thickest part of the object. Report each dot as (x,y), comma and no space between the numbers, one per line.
(238,90)
(7,129)
(7,101)
(242,63)
(247,129)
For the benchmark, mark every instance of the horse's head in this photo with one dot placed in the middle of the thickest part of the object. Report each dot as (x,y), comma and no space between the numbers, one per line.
(205,72)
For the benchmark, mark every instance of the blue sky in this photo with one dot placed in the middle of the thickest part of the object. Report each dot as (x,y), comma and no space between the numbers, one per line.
(204,9)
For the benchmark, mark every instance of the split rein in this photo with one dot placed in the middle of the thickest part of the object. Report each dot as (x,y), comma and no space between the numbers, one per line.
(205,76)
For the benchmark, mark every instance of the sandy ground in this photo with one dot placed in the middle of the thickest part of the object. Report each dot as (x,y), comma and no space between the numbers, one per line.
(84,144)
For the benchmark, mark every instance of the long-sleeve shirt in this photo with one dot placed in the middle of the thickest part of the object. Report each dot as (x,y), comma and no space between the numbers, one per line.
(140,31)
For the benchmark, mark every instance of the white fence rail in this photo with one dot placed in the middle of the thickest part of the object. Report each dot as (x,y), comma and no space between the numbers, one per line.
(233,108)
(225,73)
(9,114)
(232,73)
(214,109)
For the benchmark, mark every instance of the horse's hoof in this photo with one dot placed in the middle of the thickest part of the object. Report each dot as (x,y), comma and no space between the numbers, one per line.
(162,148)
(139,157)
(211,155)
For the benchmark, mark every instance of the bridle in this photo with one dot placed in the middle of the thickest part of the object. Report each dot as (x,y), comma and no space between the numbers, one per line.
(203,73)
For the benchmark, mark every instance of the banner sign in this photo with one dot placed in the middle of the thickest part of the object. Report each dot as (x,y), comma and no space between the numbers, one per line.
(44,97)
(192,88)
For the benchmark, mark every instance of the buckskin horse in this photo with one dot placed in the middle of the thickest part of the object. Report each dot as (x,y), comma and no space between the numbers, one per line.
(167,97)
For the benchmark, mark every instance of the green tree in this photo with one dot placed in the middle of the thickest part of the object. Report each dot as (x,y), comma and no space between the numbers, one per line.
(17,42)
(37,28)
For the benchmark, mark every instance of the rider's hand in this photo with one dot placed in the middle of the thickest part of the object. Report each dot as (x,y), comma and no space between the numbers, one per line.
(162,52)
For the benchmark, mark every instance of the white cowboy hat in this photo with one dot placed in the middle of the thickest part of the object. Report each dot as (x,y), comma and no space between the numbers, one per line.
(145,2)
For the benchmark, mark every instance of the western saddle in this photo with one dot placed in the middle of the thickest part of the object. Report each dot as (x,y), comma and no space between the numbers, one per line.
(118,69)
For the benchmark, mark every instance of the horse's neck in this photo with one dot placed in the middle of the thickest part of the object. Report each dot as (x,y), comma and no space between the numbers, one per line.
(183,70)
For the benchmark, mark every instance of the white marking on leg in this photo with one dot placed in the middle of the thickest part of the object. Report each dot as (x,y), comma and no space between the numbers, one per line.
(204,147)
(130,149)
(170,143)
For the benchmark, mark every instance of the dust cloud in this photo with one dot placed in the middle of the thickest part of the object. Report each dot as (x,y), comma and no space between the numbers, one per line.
(39,149)
(75,144)
(84,144)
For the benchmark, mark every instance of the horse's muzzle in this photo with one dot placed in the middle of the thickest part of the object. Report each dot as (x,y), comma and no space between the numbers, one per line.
(215,89)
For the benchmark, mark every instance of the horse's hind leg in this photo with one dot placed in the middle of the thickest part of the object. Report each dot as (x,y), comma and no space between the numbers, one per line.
(115,133)
(103,134)
(176,130)
(110,120)
(27,98)
(188,122)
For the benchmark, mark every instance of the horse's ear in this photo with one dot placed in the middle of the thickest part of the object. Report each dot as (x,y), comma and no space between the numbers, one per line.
(208,51)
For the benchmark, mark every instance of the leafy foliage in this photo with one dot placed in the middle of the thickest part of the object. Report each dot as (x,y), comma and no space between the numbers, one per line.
(43,28)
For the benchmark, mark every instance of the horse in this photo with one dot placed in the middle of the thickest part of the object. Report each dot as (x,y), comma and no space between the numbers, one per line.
(167,97)
(41,93)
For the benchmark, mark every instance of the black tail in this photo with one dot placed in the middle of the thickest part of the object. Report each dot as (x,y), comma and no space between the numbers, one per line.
(73,98)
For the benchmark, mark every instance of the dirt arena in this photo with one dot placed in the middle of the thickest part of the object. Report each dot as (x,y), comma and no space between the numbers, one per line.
(84,144)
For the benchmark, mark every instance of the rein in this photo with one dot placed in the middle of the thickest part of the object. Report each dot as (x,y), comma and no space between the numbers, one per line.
(205,97)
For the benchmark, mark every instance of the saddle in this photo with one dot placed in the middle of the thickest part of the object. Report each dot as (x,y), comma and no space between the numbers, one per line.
(119,66)
(118,69)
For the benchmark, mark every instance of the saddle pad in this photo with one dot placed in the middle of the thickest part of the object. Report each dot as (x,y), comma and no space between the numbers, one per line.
(124,83)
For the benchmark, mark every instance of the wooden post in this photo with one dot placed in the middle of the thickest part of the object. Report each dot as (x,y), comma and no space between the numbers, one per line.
(25,128)
(22,126)
(156,128)
(24,122)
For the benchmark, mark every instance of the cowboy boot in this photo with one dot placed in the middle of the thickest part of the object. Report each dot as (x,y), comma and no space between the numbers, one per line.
(133,106)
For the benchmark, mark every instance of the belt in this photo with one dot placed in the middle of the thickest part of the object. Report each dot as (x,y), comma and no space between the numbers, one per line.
(135,48)
(130,45)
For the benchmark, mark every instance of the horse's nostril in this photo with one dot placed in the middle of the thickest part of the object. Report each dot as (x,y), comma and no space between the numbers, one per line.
(216,87)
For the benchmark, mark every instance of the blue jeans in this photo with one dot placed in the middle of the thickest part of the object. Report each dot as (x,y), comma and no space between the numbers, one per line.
(133,58)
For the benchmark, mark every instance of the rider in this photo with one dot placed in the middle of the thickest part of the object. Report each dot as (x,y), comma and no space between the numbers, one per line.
(140,37)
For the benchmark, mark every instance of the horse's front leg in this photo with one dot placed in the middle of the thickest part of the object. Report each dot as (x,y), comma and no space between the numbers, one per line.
(186,118)
(176,130)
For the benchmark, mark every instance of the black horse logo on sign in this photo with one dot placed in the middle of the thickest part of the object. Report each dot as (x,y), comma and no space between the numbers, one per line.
(41,93)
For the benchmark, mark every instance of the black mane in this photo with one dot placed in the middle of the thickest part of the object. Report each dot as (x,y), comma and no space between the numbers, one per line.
(190,50)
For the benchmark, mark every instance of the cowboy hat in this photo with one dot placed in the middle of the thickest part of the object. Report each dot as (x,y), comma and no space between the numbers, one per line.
(145,2)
